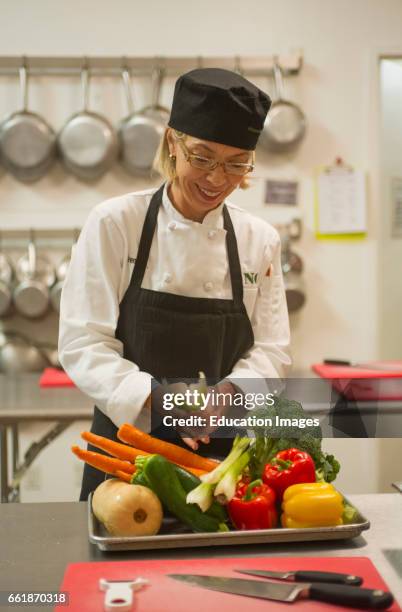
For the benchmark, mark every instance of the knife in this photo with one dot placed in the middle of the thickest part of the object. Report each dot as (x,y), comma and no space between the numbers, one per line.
(306,576)
(344,595)
(391,367)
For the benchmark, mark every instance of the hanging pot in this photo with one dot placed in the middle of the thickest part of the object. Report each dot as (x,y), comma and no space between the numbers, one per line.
(18,354)
(27,142)
(51,353)
(295,293)
(61,273)
(6,279)
(286,123)
(140,133)
(292,268)
(87,143)
(35,275)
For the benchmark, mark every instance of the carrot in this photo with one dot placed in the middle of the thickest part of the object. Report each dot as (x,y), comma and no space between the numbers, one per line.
(192,470)
(125,452)
(102,462)
(116,449)
(123,476)
(134,436)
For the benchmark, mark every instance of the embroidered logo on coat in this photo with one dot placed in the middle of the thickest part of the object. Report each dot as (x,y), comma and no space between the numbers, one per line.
(250,278)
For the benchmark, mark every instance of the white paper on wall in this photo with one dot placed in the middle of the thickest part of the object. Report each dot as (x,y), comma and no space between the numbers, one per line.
(341,201)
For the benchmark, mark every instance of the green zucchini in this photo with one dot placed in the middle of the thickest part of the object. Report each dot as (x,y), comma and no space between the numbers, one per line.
(164,481)
(189,482)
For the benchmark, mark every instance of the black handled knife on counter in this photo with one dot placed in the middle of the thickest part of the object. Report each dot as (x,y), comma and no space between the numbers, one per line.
(306,576)
(382,367)
(340,594)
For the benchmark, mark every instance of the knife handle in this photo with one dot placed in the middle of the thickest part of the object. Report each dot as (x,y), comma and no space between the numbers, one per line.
(328,577)
(355,597)
(340,362)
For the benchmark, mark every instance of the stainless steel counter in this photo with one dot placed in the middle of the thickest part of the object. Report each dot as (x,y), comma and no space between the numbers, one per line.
(22,400)
(39,540)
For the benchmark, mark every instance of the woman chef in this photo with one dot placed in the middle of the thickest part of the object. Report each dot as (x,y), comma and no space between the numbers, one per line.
(166,283)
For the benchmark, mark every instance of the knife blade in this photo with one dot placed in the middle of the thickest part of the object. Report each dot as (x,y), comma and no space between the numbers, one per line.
(353,596)
(383,367)
(306,576)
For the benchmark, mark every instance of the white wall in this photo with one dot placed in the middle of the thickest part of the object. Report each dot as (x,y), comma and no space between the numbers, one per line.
(338,89)
(390,278)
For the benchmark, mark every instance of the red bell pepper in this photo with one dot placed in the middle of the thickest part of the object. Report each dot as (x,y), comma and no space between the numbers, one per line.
(253,506)
(289,467)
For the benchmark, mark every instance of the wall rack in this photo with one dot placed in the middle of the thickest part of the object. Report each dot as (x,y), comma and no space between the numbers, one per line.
(54,239)
(290,64)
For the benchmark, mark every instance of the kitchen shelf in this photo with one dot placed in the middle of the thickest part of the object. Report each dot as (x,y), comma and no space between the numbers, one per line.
(44,238)
(291,64)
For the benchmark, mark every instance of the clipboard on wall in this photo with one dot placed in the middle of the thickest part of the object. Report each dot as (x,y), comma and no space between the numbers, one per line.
(340,202)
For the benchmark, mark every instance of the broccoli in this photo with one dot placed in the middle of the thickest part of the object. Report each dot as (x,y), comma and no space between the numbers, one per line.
(327,467)
(269,440)
(350,514)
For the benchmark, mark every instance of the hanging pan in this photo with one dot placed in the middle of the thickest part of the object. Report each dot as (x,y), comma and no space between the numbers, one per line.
(61,273)
(6,279)
(35,275)
(27,142)
(285,125)
(292,268)
(19,354)
(87,143)
(140,133)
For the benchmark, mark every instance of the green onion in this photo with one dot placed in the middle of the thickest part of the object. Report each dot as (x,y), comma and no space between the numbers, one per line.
(239,445)
(226,488)
(203,494)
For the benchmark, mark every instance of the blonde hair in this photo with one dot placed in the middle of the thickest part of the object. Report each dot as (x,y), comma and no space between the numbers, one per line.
(166,165)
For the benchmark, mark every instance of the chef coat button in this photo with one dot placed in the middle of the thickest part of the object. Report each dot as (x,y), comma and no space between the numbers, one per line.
(171,225)
(167,278)
(211,234)
(208,286)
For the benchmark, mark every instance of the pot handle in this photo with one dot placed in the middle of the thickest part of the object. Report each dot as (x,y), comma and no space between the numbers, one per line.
(85,85)
(158,74)
(278,81)
(32,256)
(127,88)
(24,84)
(237,66)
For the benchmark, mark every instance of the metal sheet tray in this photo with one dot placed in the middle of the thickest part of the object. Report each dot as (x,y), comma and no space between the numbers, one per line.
(174,534)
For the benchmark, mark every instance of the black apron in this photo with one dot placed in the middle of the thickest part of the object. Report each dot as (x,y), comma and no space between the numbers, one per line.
(174,337)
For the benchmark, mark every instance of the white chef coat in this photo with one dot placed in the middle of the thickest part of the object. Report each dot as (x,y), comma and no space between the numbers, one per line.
(186,258)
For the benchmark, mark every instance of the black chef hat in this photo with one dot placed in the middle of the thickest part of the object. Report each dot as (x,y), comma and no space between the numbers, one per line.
(219,105)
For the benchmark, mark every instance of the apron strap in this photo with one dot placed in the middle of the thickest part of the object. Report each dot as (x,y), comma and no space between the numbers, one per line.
(146,238)
(233,258)
(146,242)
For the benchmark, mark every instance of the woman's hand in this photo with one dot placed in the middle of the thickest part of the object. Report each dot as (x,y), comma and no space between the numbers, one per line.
(214,407)
(193,436)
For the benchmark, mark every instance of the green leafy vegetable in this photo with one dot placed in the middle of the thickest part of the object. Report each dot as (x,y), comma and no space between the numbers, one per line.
(270,439)
(350,514)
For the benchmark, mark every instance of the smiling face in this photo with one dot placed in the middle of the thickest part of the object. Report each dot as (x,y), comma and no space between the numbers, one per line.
(195,192)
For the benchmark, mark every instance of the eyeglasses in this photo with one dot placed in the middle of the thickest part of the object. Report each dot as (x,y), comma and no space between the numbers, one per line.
(208,164)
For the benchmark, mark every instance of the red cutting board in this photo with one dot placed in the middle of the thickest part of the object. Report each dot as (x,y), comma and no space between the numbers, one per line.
(362,383)
(52,377)
(167,595)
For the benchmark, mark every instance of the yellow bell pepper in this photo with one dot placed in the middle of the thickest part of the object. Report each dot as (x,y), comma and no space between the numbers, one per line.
(313,504)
